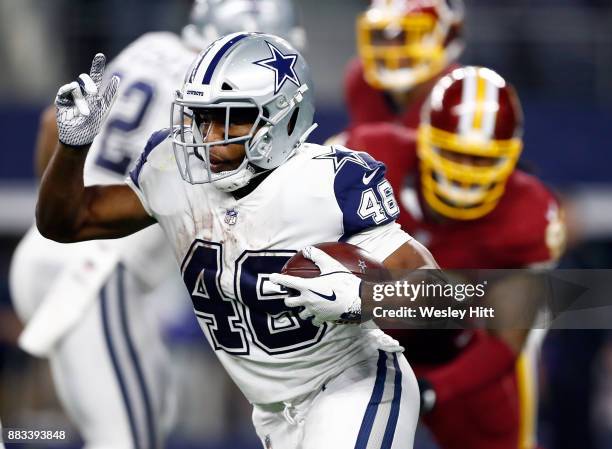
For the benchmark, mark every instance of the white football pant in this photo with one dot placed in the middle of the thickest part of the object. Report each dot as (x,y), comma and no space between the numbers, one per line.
(111,370)
(371,405)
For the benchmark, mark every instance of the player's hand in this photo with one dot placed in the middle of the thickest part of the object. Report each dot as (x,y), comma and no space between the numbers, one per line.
(428,396)
(334,295)
(81,107)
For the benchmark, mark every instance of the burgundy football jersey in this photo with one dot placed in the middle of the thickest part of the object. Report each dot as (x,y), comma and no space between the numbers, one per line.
(521,230)
(367,104)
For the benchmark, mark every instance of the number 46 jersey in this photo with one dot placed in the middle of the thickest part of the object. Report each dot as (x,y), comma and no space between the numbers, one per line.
(228,247)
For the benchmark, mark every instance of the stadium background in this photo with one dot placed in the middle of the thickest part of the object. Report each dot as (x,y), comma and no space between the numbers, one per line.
(558,53)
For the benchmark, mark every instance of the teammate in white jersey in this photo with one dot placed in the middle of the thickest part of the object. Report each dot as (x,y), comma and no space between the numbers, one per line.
(237,192)
(109,366)
(104,376)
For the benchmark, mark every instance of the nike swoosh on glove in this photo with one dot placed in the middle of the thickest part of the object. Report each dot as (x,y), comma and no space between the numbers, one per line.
(332,296)
(80,106)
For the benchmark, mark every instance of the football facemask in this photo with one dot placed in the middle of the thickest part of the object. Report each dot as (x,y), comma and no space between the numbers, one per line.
(215,126)
(242,76)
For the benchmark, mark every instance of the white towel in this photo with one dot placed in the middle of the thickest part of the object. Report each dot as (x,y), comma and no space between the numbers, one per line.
(68,298)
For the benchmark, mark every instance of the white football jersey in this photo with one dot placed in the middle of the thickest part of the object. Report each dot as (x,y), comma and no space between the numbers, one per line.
(151,68)
(227,248)
(110,336)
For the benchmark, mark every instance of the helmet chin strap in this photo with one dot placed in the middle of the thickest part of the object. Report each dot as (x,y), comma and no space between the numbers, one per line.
(306,134)
(242,176)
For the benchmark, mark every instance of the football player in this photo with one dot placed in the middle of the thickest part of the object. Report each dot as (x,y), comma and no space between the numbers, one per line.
(108,339)
(404,47)
(463,197)
(238,191)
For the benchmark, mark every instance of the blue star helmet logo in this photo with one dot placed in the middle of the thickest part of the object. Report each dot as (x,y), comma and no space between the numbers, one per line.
(282,66)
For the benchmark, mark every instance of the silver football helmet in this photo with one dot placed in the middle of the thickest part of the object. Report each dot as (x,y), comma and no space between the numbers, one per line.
(260,74)
(212,19)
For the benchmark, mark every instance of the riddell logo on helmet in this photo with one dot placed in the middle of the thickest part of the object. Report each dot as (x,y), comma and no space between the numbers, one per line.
(195,92)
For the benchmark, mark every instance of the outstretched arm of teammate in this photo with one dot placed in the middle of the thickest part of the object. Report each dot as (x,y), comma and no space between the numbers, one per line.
(67,211)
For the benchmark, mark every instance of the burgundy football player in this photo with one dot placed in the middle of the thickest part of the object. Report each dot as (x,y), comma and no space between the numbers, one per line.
(462,196)
(404,47)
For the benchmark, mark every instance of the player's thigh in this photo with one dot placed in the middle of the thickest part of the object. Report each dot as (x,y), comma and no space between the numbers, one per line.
(35,264)
(108,374)
(374,405)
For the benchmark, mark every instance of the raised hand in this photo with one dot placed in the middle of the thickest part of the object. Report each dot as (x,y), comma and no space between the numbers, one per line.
(82,108)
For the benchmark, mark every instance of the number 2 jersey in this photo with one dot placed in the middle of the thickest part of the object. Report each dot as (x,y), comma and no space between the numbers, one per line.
(151,68)
(227,247)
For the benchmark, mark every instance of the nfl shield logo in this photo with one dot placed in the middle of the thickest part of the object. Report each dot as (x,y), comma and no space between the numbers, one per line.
(268,442)
(231,215)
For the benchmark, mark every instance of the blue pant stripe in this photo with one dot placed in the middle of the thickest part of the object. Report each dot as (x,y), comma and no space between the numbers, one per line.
(115,362)
(370,414)
(395,407)
(136,361)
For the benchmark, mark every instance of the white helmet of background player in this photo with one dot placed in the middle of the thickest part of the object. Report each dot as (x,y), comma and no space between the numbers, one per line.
(244,70)
(212,19)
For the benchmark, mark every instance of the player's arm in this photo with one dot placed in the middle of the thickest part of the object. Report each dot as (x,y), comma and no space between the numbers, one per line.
(350,293)
(67,211)
(517,299)
(410,256)
(491,354)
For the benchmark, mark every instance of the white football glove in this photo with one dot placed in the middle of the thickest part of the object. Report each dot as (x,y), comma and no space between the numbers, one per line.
(331,296)
(80,106)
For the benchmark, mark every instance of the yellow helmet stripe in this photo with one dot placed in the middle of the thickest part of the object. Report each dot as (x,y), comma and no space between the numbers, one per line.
(481,87)
(468,93)
(479,98)
(491,107)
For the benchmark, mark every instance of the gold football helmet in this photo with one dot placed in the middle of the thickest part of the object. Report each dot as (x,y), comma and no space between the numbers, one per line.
(469,141)
(403,43)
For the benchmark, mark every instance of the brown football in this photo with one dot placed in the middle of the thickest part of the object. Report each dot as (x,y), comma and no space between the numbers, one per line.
(357,260)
